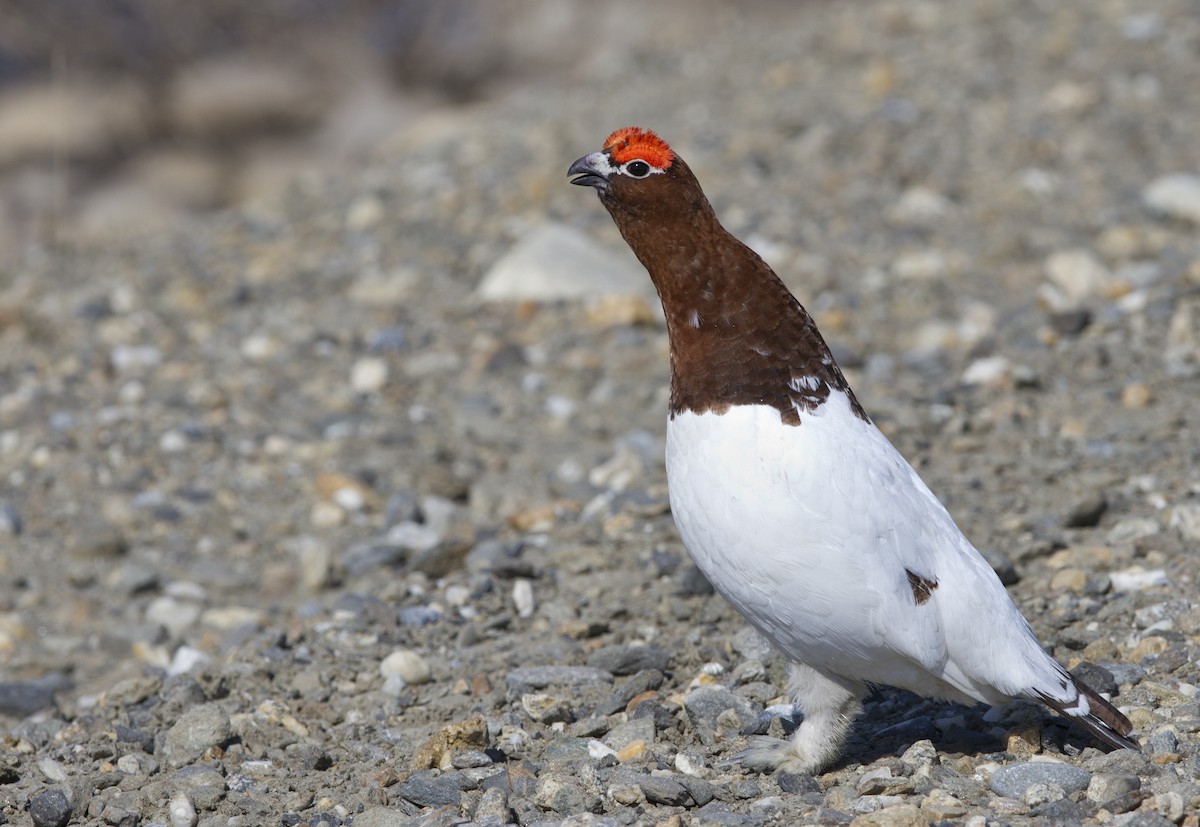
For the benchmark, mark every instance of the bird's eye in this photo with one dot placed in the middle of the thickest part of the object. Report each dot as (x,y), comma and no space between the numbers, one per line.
(638,169)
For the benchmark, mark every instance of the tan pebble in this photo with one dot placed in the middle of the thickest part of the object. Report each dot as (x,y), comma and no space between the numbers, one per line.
(1024,740)
(1068,580)
(1152,645)
(940,804)
(1100,650)
(439,751)
(638,700)
(480,685)
(620,311)
(1074,429)
(1136,396)
(633,752)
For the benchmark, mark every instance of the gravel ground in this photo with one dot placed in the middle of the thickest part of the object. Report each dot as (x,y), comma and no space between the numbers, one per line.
(296,529)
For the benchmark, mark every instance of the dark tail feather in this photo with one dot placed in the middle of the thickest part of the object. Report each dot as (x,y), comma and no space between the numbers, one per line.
(1102,718)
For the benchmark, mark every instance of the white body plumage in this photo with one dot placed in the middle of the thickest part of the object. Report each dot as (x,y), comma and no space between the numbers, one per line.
(812,532)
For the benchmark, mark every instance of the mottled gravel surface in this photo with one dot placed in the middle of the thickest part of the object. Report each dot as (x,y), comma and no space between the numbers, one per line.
(295,529)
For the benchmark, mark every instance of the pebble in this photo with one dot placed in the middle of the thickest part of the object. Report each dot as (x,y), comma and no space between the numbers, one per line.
(534,269)
(1137,579)
(990,370)
(1012,780)
(546,709)
(369,375)
(381,817)
(626,659)
(661,789)
(408,665)
(539,677)
(1076,277)
(522,597)
(51,808)
(197,730)
(1176,195)
(706,703)
(181,811)
(426,790)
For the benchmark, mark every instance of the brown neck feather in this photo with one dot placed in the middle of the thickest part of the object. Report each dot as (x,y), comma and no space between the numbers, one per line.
(738,336)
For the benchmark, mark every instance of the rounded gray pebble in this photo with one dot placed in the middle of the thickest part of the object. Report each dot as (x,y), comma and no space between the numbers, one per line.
(1013,780)
(50,809)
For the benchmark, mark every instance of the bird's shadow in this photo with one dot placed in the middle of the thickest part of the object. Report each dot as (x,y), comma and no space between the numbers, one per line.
(894,719)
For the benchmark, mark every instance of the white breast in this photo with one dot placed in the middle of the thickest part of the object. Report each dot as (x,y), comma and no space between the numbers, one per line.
(808,531)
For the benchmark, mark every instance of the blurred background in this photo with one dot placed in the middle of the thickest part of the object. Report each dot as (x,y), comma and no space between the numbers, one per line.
(120,114)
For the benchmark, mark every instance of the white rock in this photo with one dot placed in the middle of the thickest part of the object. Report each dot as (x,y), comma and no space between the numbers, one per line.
(918,206)
(176,616)
(415,537)
(599,749)
(182,813)
(556,262)
(407,664)
(125,358)
(53,770)
(987,371)
(522,597)
(921,265)
(1176,195)
(1077,273)
(1186,518)
(1136,579)
(185,660)
(369,375)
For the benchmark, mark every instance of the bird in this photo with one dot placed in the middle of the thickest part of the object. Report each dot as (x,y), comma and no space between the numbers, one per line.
(794,505)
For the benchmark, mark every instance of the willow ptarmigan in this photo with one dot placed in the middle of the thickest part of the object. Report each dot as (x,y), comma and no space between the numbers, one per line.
(794,505)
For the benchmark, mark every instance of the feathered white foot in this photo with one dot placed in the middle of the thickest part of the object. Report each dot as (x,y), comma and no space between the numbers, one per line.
(829,705)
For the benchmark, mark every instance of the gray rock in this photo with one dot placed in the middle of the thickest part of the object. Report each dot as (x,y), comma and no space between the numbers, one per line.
(556,262)
(1105,787)
(197,730)
(1142,818)
(21,698)
(202,783)
(426,790)
(629,732)
(51,808)
(662,789)
(382,817)
(703,705)
(1163,742)
(1087,512)
(1176,195)
(628,659)
(562,794)
(539,677)
(1012,780)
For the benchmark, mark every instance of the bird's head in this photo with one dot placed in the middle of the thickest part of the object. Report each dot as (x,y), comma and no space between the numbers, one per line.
(637,173)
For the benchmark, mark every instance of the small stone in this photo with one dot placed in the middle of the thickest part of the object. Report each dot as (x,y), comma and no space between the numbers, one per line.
(990,370)
(1024,740)
(427,790)
(1077,275)
(1012,780)
(628,659)
(539,677)
(880,781)
(378,817)
(197,730)
(1087,512)
(556,262)
(1176,195)
(522,597)
(51,808)
(1043,792)
(901,815)
(439,751)
(940,805)
(1169,805)
(181,811)
(661,789)
(546,709)
(706,703)
(369,375)
(408,665)
(562,795)
(631,731)
(1068,580)
(1105,787)
(1136,396)
(1136,579)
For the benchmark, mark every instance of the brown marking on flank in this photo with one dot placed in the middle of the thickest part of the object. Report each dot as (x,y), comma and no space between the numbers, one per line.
(922,588)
